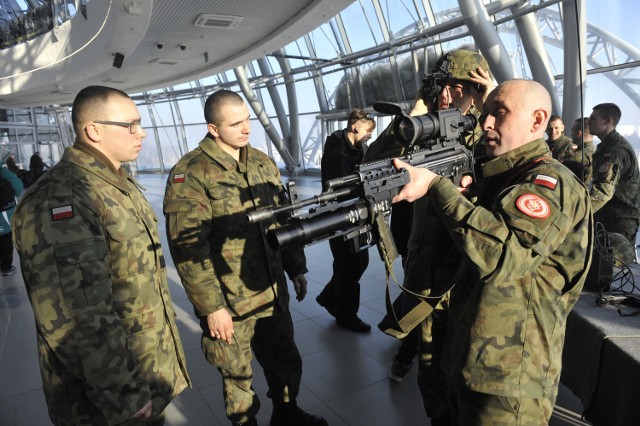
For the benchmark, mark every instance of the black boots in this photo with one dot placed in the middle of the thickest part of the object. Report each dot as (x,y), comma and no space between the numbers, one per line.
(289,414)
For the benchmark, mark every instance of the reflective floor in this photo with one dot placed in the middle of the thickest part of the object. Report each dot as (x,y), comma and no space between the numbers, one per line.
(345,375)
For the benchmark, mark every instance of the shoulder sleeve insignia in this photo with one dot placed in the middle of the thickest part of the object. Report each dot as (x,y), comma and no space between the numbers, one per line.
(63,212)
(546,181)
(605,168)
(533,206)
(179,178)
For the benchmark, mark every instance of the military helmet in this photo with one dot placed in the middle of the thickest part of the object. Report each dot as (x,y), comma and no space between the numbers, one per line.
(455,64)
(458,63)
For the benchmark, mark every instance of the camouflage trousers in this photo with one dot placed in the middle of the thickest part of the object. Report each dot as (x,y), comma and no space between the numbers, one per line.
(271,340)
(479,409)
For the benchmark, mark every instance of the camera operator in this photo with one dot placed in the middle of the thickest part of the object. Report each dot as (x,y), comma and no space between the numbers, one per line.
(460,79)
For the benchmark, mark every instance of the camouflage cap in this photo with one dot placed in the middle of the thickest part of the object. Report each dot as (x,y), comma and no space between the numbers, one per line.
(458,63)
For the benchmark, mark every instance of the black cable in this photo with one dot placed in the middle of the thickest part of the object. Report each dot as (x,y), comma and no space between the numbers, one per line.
(622,283)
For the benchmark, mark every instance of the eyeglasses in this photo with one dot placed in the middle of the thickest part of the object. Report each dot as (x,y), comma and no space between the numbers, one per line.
(133,126)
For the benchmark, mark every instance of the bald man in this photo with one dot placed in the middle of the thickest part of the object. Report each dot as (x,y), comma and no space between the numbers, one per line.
(525,246)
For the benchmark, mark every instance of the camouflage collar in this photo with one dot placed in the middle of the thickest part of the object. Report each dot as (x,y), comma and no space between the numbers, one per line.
(81,157)
(516,158)
(226,161)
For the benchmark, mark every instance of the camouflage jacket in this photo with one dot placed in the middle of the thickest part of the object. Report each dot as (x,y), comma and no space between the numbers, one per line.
(526,249)
(562,148)
(224,261)
(615,190)
(581,161)
(95,274)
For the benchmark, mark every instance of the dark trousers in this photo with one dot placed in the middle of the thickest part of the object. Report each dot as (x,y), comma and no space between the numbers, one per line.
(6,252)
(408,348)
(342,294)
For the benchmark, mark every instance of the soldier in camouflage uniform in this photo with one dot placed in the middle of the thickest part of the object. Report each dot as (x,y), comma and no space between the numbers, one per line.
(468,82)
(580,160)
(109,347)
(235,282)
(526,245)
(561,146)
(615,191)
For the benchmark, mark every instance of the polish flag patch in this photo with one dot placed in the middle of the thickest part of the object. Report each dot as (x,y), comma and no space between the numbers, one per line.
(179,178)
(546,181)
(533,206)
(63,212)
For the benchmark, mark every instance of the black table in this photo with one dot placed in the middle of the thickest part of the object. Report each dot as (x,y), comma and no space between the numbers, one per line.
(601,361)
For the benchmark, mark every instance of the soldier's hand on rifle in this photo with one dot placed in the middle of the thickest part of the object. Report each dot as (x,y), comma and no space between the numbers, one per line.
(481,77)
(221,325)
(420,180)
(465,184)
(300,286)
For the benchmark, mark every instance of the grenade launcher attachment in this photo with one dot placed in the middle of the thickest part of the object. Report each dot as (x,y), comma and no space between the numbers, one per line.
(356,207)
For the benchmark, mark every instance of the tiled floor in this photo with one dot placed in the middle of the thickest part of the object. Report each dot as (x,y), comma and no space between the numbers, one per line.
(345,375)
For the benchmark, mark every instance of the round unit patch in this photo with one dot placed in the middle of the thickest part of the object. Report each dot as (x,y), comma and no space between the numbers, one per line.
(533,206)
(605,167)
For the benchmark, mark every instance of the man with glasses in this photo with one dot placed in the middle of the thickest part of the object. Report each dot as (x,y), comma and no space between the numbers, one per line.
(90,253)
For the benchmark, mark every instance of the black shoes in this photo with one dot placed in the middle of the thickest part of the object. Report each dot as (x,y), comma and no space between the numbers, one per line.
(327,306)
(354,324)
(399,369)
(290,414)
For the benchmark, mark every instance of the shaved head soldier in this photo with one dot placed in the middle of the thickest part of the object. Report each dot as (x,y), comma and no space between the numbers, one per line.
(526,246)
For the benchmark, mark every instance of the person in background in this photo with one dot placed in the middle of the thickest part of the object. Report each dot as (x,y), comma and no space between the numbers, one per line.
(13,167)
(236,283)
(615,190)
(343,152)
(526,245)
(580,160)
(560,145)
(10,187)
(93,266)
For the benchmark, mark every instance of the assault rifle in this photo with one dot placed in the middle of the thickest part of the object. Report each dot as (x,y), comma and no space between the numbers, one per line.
(356,207)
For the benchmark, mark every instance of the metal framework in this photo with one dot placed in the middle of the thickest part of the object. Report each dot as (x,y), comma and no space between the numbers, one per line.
(535,27)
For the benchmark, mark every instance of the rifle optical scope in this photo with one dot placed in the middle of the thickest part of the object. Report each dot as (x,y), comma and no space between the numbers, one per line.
(447,124)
